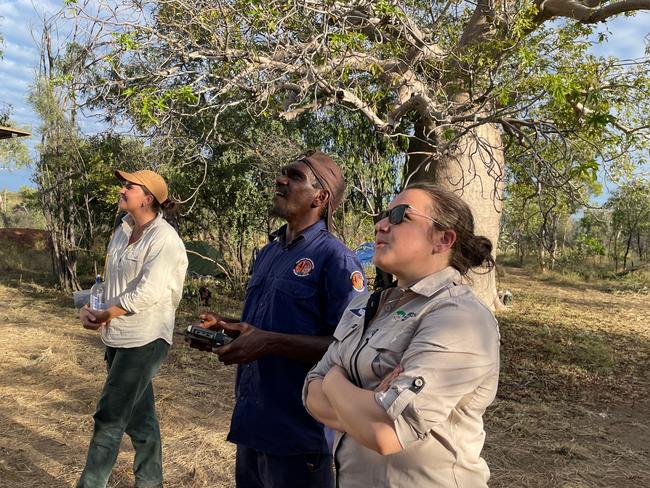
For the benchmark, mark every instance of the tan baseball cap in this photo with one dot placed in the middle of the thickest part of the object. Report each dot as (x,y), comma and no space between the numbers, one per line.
(152,180)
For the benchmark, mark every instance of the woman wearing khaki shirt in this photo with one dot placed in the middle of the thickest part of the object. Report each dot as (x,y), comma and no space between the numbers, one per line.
(413,367)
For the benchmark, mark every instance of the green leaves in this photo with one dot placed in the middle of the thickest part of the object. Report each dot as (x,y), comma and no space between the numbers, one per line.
(148,104)
(126,41)
(352,41)
(385,8)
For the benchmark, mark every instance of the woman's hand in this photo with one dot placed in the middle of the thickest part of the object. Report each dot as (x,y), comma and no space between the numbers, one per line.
(335,375)
(89,318)
(101,316)
(94,319)
(388,379)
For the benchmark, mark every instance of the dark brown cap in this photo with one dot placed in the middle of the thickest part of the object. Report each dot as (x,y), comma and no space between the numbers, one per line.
(329,175)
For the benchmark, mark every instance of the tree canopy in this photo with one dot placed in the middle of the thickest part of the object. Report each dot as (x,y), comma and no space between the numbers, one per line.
(471,95)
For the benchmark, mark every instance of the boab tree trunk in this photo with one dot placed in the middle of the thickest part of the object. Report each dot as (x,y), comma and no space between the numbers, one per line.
(474,171)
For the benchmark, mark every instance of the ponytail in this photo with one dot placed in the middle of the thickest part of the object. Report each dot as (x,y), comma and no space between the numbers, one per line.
(169,208)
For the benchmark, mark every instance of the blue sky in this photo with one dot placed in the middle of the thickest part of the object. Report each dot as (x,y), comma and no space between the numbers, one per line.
(20,18)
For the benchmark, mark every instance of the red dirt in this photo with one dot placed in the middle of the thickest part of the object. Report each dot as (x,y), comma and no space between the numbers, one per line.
(26,237)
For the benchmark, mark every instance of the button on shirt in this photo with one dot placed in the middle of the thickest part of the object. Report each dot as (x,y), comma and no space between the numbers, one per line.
(300,287)
(144,278)
(447,342)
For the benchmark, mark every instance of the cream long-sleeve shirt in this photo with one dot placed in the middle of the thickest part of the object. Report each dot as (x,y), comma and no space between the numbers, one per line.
(144,278)
(447,342)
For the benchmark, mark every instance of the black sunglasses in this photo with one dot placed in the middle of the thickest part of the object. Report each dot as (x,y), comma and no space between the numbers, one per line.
(398,212)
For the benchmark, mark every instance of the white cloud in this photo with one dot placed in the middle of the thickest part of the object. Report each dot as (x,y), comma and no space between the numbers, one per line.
(628,37)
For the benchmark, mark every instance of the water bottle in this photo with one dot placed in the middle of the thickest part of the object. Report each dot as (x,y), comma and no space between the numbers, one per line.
(97,299)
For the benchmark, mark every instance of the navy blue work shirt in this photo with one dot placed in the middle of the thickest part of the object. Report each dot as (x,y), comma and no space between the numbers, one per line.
(300,287)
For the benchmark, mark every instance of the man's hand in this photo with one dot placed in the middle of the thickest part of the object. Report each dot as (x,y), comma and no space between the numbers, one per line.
(211,320)
(251,344)
(89,319)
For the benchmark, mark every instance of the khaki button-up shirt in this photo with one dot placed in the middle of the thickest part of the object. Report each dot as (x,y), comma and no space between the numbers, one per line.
(144,278)
(447,342)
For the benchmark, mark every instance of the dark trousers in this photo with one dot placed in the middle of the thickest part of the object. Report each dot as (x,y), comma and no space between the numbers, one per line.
(255,469)
(127,405)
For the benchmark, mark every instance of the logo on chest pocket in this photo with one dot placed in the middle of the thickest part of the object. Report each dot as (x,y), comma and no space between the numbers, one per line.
(303,267)
(401,316)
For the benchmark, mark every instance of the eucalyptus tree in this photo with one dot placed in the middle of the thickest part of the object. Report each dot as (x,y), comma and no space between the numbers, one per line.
(630,220)
(460,80)
(73,173)
(56,169)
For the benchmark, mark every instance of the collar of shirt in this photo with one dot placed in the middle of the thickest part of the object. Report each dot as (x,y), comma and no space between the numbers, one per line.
(430,285)
(307,234)
(128,223)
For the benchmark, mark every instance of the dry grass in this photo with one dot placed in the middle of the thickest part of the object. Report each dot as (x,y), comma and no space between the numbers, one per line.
(572,410)
(51,374)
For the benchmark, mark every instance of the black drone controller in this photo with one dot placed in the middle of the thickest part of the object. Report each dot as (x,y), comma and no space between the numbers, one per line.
(208,337)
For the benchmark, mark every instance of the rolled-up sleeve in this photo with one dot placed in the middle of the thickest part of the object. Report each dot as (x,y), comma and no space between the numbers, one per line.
(331,358)
(450,355)
(163,258)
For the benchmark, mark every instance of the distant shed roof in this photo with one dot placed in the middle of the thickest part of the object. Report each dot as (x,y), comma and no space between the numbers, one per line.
(9,132)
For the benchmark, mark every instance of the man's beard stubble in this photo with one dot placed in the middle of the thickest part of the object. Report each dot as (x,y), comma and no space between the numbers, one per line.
(278,212)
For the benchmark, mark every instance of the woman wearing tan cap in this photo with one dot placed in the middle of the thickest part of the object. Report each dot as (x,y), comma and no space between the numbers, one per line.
(145,270)
(413,367)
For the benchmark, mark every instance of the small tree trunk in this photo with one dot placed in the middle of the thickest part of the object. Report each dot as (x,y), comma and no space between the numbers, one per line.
(541,255)
(616,236)
(565,232)
(553,240)
(627,251)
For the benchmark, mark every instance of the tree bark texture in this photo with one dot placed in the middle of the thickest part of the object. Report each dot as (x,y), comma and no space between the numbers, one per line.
(474,171)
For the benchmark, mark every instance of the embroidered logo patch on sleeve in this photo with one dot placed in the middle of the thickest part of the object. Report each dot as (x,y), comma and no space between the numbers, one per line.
(357,281)
(303,267)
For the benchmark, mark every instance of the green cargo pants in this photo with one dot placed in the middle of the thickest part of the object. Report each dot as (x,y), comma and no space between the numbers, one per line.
(127,405)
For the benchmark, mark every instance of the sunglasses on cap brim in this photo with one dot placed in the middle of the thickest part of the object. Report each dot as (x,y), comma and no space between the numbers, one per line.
(398,212)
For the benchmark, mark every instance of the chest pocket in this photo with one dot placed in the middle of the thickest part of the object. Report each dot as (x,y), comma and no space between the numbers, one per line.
(296,288)
(388,347)
(347,339)
(295,307)
(131,262)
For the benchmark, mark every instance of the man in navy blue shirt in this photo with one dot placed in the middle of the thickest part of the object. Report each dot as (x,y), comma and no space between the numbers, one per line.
(301,282)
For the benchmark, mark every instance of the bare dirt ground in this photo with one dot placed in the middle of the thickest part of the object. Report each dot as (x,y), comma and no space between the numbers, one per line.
(572,410)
